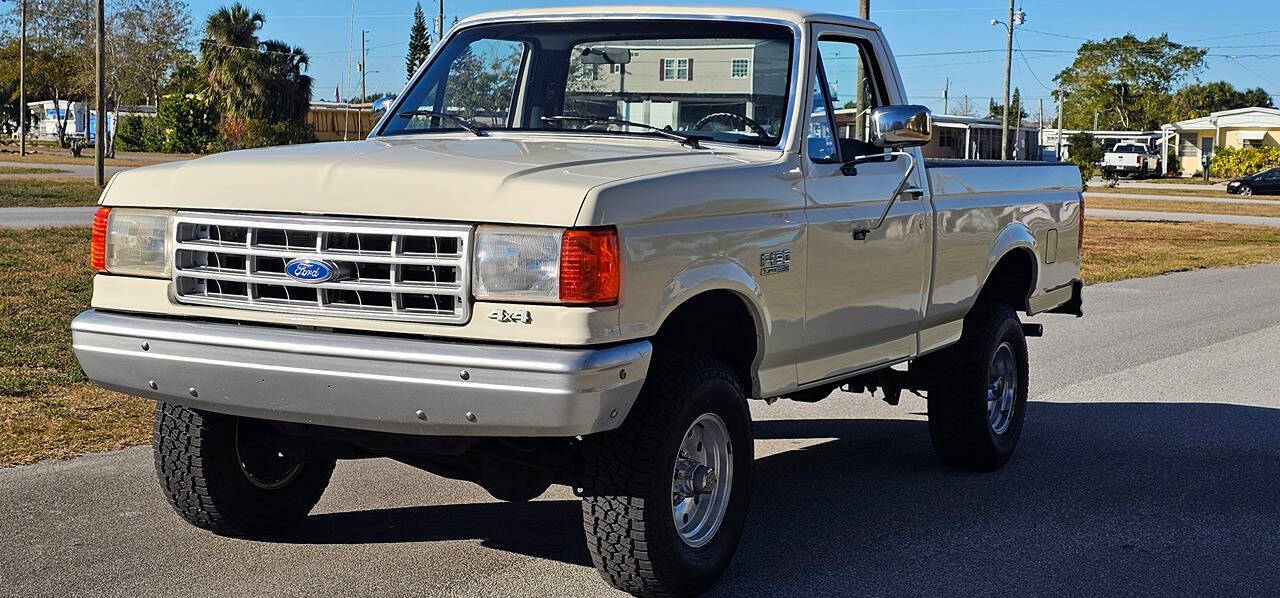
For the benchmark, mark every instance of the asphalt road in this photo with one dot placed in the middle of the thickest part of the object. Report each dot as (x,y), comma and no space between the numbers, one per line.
(40,217)
(1149,466)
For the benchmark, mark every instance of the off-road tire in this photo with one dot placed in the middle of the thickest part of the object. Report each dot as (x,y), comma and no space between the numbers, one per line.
(958,419)
(627,496)
(197,464)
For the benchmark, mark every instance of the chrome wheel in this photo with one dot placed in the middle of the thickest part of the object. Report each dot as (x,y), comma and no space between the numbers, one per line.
(702,480)
(1246,191)
(1002,390)
(261,461)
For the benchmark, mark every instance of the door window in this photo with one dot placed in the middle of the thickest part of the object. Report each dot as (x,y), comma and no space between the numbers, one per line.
(852,76)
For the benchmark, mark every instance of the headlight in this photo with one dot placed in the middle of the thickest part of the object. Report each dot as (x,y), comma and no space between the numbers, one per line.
(132,242)
(547,265)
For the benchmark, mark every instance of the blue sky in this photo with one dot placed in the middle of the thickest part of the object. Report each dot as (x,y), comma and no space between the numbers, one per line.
(1238,27)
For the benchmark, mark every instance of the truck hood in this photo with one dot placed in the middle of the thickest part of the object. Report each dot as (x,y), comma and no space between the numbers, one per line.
(538,180)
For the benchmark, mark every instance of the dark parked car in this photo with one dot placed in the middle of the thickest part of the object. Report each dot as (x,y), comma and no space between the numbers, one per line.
(1265,182)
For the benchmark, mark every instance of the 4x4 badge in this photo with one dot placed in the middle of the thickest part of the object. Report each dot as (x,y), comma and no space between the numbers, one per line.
(514,317)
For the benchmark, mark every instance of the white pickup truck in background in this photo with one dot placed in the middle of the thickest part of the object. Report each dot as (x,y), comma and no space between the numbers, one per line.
(577,246)
(1131,158)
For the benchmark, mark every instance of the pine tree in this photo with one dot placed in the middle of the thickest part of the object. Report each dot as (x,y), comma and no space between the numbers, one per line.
(419,42)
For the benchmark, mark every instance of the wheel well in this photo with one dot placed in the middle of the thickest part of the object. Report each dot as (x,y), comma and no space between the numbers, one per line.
(717,324)
(1012,280)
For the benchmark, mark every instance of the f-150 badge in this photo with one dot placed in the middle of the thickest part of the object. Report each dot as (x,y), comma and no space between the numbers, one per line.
(773,262)
(513,317)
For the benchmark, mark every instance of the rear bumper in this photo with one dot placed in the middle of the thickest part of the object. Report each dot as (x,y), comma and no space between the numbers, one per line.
(364,382)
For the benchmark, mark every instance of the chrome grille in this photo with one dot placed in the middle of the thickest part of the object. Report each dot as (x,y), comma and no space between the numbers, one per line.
(383,270)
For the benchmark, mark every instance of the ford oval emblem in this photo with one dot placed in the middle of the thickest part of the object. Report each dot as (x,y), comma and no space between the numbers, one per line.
(308,270)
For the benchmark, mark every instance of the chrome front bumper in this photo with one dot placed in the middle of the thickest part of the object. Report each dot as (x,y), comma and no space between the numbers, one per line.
(365,382)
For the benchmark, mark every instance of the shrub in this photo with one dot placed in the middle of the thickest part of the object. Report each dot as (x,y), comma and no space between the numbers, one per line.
(243,133)
(1085,154)
(186,124)
(1231,162)
(130,135)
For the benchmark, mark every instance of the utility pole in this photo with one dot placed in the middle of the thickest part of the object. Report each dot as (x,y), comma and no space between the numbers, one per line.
(1008,68)
(440,23)
(22,80)
(1040,130)
(1060,106)
(864,9)
(100,125)
(946,90)
(363,71)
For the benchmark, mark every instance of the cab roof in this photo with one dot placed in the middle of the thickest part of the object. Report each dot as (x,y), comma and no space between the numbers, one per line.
(795,16)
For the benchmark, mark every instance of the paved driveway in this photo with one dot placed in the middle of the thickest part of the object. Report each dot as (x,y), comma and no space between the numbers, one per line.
(1150,466)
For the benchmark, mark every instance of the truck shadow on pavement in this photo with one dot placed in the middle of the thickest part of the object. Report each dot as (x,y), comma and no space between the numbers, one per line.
(1101,499)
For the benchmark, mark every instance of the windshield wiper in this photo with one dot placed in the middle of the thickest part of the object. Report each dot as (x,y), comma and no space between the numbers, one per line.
(467,124)
(688,140)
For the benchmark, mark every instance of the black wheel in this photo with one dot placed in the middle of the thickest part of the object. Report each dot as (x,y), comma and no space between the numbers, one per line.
(665,496)
(234,476)
(978,396)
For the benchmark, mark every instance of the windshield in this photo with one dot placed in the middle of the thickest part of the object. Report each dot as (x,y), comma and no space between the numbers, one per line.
(708,80)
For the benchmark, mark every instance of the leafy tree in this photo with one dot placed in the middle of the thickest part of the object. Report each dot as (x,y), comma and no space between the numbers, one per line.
(1085,153)
(419,42)
(150,37)
(1126,81)
(1201,99)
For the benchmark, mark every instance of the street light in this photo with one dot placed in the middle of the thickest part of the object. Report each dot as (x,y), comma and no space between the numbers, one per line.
(1016,17)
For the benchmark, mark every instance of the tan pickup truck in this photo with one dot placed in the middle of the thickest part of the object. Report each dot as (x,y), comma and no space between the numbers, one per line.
(574,248)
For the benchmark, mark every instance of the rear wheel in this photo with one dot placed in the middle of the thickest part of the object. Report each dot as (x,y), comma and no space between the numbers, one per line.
(234,476)
(665,496)
(978,398)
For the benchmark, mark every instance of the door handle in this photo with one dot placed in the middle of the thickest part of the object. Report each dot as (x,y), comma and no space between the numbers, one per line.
(912,193)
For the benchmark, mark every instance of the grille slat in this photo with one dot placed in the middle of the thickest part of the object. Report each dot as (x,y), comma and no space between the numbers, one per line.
(384,270)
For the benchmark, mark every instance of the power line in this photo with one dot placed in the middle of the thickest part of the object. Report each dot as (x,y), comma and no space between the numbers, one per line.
(1256,73)
(1026,62)
(1234,35)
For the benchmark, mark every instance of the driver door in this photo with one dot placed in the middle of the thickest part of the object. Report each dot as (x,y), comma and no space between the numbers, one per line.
(865,296)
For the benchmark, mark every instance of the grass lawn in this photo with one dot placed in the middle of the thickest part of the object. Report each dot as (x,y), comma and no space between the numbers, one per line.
(1119,249)
(47,408)
(49,411)
(29,170)
(47,193)
(1191,191)
(1198,207)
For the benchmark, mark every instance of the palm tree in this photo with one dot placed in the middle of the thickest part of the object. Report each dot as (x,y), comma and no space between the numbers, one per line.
(230,57)
(284,89)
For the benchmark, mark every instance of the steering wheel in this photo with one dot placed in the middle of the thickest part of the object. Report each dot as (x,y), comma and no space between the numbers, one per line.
(742,118)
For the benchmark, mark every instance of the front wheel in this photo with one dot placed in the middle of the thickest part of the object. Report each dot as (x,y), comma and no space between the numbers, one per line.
(234,476)
(665,496)
(1246,191)
(978,399)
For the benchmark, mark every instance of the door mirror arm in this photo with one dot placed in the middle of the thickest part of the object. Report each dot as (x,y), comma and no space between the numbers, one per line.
(861,233)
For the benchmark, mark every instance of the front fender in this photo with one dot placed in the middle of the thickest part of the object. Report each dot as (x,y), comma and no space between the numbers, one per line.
(715,275)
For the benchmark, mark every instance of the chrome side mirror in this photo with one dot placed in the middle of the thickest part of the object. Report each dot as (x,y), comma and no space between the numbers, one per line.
(898,127)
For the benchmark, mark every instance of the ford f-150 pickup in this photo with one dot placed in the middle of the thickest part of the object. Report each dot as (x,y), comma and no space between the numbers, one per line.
(579,242)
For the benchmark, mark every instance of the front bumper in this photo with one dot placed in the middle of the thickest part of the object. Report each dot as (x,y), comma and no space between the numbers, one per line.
(365,382)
